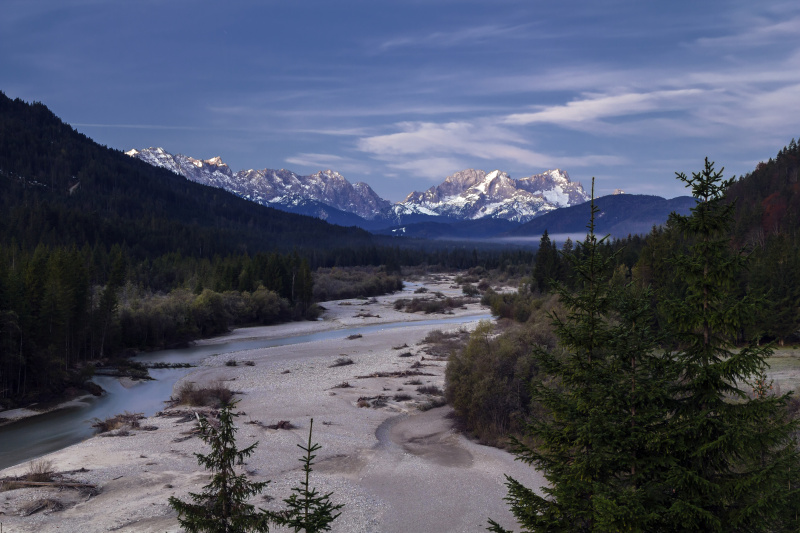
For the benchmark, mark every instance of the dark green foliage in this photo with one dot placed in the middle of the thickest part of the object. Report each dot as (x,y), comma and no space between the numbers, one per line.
(548,265)
(306,509)
(598,438)
(342,283)
(488,382)
(222,506)
(735,462)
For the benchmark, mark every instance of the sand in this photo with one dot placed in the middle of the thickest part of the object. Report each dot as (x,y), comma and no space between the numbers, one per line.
(395,467)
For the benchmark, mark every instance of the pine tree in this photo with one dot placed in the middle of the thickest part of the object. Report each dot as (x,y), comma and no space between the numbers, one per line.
(603,392)
(735,462)
(308,510)
(548,265)
(222,506)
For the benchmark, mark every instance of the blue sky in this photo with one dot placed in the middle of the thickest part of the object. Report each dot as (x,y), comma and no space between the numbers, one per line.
(400,94)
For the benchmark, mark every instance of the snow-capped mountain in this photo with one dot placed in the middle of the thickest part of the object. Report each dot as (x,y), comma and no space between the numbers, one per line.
(278,188)
(466,195)
(473,194)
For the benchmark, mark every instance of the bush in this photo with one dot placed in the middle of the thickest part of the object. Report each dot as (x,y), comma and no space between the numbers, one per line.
(470,290)
(214,395)
(40,470)
(488,383)
(341,283)
(433,390)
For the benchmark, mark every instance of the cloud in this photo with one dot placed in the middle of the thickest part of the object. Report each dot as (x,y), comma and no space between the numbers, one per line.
(591,109)
(460,37)
(755,34)
(339,163)
(455,145)
(134,126)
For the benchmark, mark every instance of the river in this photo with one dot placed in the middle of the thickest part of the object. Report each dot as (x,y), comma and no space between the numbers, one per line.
(39,435)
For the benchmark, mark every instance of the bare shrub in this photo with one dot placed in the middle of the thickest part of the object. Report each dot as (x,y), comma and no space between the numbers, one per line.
(40,470)
(430,389)
(341,361)
(343,385)
(438,401)
(122,421)
(283,424)
(403,397)
(44,504)
(215,395)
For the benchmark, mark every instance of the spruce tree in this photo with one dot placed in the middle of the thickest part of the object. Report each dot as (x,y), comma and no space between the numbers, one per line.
(547,266)
(306,509)
(735,462)
(222,506)
(603,392)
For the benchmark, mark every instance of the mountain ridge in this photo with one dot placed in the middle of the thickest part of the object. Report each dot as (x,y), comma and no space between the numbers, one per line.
(469,194)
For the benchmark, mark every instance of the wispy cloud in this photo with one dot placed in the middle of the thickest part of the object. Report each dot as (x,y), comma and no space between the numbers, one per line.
(342,164)
(589,109)
(423,144)
(755,33)
(135,126)
(463,36)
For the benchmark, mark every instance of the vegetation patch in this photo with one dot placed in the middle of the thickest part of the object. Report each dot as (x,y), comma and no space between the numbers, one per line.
(215,395)
(443,305)
(121,422)
(354,282)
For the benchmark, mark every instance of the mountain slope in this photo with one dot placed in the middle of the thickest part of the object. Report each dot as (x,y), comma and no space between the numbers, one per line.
(473,194)
(620,215)
(60,187)
(277,188)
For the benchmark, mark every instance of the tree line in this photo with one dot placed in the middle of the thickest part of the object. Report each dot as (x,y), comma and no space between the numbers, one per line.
(645,404)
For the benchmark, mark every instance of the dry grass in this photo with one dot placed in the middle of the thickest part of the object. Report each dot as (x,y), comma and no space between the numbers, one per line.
(40,470)
(215,395)
(121,422)
(433,390)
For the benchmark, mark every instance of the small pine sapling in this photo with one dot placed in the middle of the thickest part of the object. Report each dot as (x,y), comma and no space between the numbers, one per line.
(222,506)
(307,509)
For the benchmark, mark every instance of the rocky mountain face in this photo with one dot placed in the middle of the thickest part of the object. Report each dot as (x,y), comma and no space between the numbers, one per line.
(466,195)
(473,194)
(276,188)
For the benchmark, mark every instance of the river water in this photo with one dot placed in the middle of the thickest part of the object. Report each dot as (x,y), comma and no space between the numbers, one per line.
(39,435)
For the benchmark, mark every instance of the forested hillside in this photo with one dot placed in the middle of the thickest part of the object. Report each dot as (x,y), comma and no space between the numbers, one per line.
(102,254)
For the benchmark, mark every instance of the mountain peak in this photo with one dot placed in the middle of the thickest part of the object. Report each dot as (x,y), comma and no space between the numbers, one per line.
(272,187)
(473,193)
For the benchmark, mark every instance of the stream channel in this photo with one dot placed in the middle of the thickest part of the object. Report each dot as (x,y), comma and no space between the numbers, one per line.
(46,433)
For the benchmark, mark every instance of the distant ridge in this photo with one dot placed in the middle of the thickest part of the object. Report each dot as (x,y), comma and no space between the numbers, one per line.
(466,195)
(620,215)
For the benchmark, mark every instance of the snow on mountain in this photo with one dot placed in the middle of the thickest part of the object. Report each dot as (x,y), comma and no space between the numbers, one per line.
(466,195)
(474,194)
(272,187)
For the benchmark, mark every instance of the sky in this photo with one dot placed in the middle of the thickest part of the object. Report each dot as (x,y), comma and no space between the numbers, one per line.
(401,94)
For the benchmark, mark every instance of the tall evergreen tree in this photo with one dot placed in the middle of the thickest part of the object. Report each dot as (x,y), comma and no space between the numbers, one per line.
(735,462)
(603,394)
(548,264)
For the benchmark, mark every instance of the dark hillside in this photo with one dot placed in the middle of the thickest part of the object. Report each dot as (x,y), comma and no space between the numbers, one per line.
(768,199)
(61,188)
(620,215)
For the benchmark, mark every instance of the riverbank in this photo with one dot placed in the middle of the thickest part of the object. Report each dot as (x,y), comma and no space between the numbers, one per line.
(395,467)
